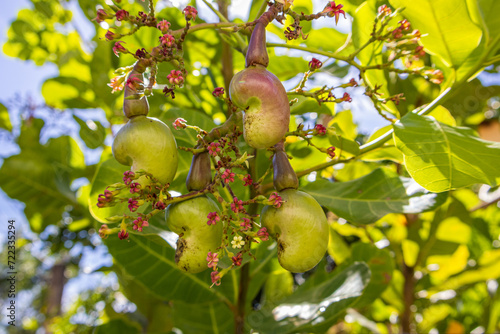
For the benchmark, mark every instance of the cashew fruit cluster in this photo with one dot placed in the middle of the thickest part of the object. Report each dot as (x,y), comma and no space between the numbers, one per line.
(261,95)
(145,143)
(299,225)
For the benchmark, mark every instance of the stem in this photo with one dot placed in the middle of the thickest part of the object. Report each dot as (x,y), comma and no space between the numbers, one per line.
(316,51)
(408,298)
(227,53)
(222,18)
(234,122)
(386,136)
(239,315)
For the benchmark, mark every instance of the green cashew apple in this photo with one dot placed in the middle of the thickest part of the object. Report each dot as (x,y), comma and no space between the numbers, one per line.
(196,237)
(300,228)
(261,95)
(147,143)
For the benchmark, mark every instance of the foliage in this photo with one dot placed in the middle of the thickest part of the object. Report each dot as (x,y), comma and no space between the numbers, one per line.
(412,207)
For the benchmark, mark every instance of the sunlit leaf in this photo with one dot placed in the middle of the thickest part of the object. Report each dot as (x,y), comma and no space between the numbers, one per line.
(369,198)
(446,27)
(5,118)
(92,133)
(440,157)
(150,259)
(117,326)
(314,309)
(41,176)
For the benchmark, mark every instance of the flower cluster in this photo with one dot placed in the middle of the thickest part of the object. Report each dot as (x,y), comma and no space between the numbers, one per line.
(139,223)
(319,130)
(247,180)
(228,176)
(218,92)
(213,218)
(237,259)
(175,77)
(263,234)
(106,198)
(334,10)
(179,123)
(237,206)
(167,40)
(163,26)
(315,64)
(331,152)
(190,13)
(214,148)
(276,200)
(246,224)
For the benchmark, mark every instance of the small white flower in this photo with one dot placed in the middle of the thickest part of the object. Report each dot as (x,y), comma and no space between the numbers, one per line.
(238,242)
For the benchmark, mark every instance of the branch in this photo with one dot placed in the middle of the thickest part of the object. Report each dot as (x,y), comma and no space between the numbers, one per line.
(316,51)
(485,204)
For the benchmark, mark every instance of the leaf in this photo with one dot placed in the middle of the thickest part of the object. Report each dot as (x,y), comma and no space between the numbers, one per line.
(108,172)
(206,318)
(306,105)
(117,326)
(287,67)
(440,157)
(369,198)
(381,267)
(362,27)
(338,249)
(92,133)
(325,39)
(193,117)
(150,259)
(4,118)
(488,269)
(446,28)
(314,309)
(68,92)
(41,176)
(489,10)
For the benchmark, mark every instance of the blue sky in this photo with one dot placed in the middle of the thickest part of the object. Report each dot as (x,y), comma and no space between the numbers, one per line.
(26,77)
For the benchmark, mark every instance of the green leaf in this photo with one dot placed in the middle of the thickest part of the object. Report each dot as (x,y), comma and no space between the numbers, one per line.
(187,137)
(325,39)
(41,176)
(446,28)
(4,118)
(489,10)
(488,269)
(68,92)
(100,66)
(338,249)
(92,133)
(287,67)
(315,309)
(117,326)
(440,157)
(362,27)
(306,105)
(150,259)
(108,172)
(369,198)
(381,267)
(205,318)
